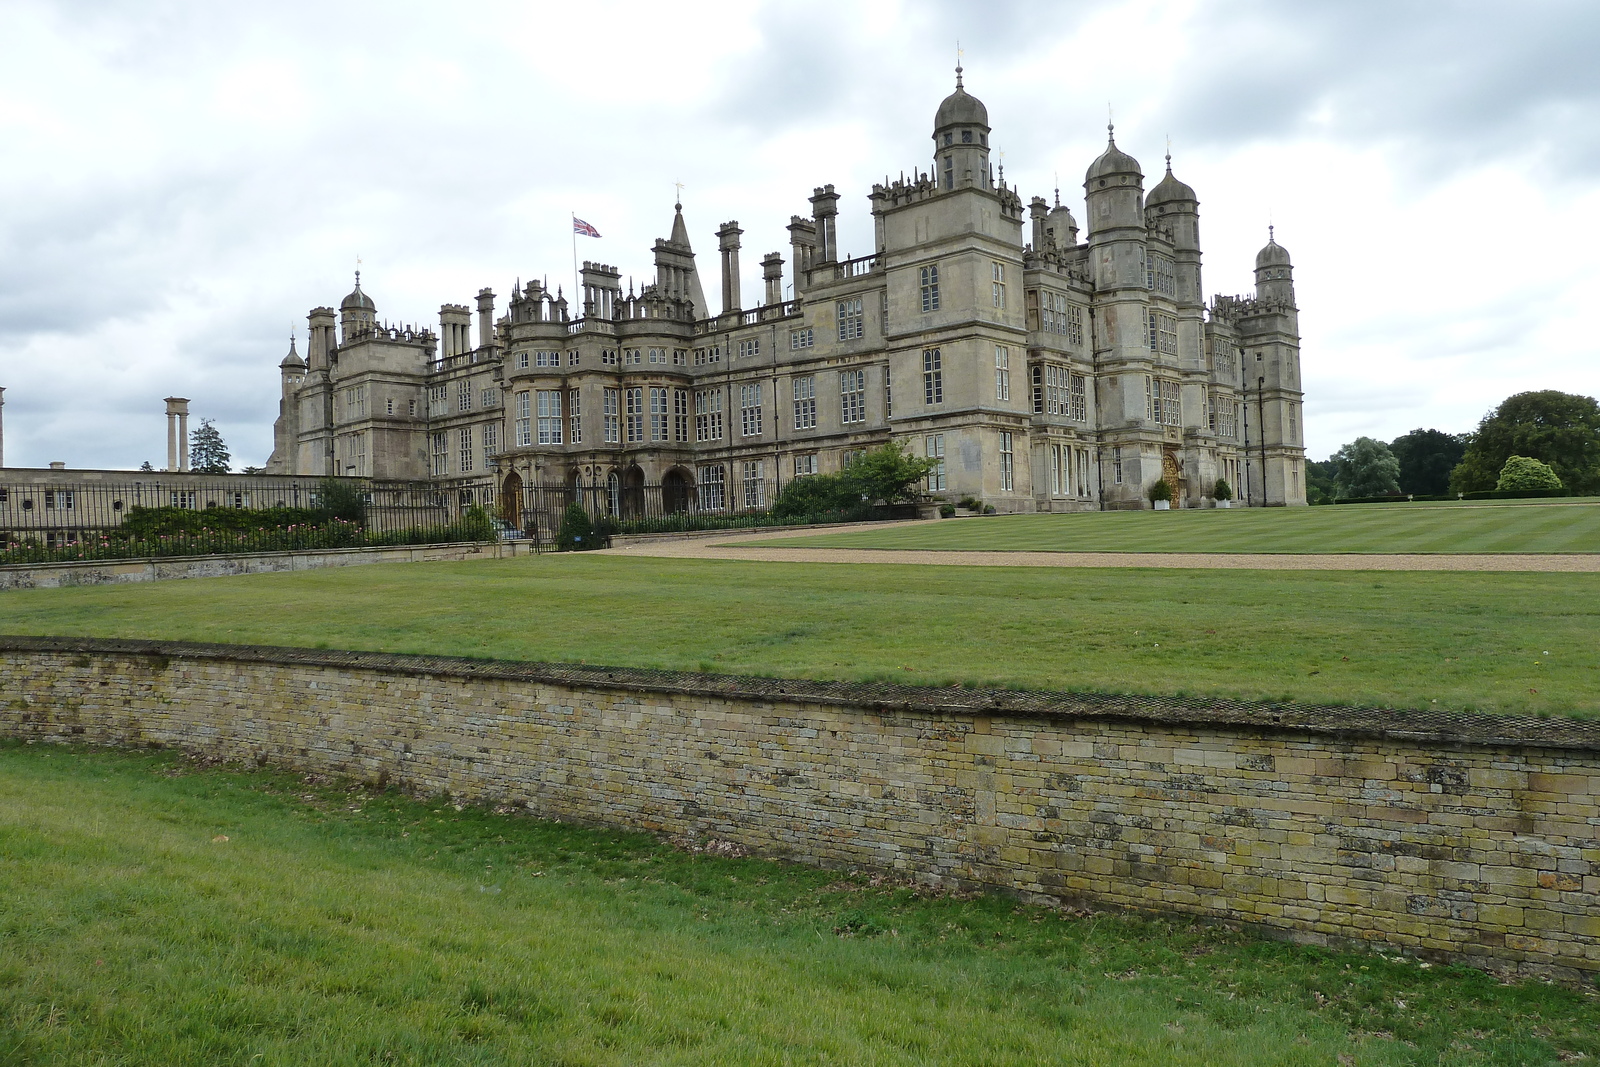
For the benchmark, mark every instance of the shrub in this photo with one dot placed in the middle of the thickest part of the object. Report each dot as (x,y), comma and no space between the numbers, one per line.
(814,494)
(888,473)
(947,511)
(577,532)
(1522,473)
(339,499)
(1160,490)
(1223,491)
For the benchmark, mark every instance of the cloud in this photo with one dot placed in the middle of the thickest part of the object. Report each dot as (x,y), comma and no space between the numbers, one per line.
(180,182)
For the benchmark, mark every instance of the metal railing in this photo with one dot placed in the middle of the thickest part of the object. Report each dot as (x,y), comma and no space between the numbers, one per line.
(182,515)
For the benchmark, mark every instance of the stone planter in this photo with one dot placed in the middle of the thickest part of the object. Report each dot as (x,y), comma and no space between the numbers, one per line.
(1224,503)
(1163,505)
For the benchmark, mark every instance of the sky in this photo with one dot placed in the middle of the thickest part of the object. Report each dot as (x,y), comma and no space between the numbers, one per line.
(181,182)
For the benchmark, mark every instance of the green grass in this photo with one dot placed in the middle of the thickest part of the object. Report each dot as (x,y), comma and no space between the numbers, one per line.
(339,926)
(1469,641)
(1438,527)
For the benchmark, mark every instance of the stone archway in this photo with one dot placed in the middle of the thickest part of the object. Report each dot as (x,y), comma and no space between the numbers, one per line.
(675,492)
(511,500)
(1173,473)
(633,492)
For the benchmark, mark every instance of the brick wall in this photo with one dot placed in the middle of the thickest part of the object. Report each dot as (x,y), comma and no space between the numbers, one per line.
(1464,836)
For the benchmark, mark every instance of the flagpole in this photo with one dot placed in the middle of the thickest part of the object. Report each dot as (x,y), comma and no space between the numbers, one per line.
(576,298)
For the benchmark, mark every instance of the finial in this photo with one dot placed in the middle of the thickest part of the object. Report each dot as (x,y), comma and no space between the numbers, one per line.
(1272,237)
(1111,125)
(1169,153)
(959,56)
(1002,167)
(678,204)
(1058,188)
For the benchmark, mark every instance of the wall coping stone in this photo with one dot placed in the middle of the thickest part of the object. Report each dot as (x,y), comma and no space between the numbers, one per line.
(1439,727)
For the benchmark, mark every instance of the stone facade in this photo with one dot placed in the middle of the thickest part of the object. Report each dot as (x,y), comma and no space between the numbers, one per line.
(1048,373)
(1467,837)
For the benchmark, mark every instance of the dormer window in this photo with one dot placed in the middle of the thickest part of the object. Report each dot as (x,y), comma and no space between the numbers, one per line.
(966,136)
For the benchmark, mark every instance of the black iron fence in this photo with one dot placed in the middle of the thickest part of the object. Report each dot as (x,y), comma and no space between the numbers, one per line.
(183,515)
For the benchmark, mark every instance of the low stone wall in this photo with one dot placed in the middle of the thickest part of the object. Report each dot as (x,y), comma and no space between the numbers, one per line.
(1463,836)
(117,571)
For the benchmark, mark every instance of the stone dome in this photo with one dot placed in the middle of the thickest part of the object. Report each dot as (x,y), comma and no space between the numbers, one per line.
(1113,161)
(961,108)
(357,299)
(292,360)
(1274,255)
(1169,190)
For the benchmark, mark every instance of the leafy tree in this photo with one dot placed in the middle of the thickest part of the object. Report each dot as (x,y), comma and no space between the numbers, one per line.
(1561,429)
(1320,475)
(888,473)
(1523,473)
(338,499)
(1426,459)
(577,532)
(145,466)
(1365,467)
(252,470)
(207,452)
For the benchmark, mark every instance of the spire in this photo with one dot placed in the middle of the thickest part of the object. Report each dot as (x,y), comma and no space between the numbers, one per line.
(958,64)
(1058,188)
(1272,237)
(1169,153)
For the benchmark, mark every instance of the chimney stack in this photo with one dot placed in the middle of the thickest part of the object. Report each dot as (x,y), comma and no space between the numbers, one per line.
(772,274)
(177,433)
(728,242)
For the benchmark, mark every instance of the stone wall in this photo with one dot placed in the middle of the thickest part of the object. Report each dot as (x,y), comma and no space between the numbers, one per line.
(119,571)
(1464,836)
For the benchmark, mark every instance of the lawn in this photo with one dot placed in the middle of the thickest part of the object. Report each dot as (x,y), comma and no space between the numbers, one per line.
(1468,641)
(155,911)
(1435,527)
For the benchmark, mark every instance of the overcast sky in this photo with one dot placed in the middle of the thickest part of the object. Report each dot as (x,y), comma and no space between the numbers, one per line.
(181,182)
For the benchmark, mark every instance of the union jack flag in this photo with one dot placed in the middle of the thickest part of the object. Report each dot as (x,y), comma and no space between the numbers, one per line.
(579,226)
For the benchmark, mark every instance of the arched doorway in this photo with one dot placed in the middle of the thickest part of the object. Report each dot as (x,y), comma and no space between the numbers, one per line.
(511,500)
(613,495)
(1173,475)
(633,492)
(675,490)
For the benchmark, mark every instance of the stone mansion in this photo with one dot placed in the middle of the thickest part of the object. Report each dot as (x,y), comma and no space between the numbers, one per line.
(1043,371)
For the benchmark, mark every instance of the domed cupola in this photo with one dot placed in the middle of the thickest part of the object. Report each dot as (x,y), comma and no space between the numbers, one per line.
(1274,272)
(1113,163)
(292,362)
(357,300)
(1170,190)
(357,312)
(1274,254)
(961,140)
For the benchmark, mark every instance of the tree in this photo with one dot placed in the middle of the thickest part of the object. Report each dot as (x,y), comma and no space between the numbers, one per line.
(1365,468)
(145,466)
(1561,429)
(1159,490)
(1522,473)
(1319,480)
(1426,459)
(577,532)
(888,473)
(1223,490)
(207,453)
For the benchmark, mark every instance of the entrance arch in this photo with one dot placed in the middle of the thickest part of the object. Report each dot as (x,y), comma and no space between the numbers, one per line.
(675,492)
(1173,475)
(511,500)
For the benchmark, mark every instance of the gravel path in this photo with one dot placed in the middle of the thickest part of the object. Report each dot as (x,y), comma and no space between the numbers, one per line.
(721,547)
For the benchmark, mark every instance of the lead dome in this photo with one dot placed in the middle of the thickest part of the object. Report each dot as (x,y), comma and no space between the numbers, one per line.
(1112,162)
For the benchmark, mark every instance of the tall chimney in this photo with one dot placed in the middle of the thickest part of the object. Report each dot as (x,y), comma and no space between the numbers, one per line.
(772,274)
(825,210)
(485,318)
(728,242)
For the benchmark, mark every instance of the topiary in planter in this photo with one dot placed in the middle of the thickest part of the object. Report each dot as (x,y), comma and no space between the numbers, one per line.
(1159,491)
(1223,491)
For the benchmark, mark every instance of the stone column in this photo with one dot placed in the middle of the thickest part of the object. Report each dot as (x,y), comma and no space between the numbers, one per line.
(177,433)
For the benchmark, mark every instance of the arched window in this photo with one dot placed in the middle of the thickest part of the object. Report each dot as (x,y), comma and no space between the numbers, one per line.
(613,495)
